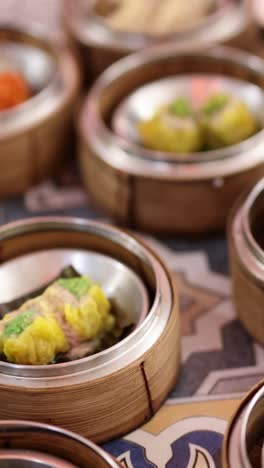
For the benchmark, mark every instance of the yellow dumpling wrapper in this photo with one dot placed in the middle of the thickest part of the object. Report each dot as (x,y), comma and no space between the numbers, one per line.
(100,299)
(68,312)
(158,135)
(92,316)
(230,125)
(38,344)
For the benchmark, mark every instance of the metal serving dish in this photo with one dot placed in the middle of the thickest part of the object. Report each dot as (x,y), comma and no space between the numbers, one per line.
(53,76)
(122,286)
(244,440)
(157,182)
(101,45)
(32,254)
(246,243)
(142,104)
(26,444)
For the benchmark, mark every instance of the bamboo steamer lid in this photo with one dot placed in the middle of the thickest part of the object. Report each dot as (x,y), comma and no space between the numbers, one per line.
(92,396)
(157,191)
(35,135)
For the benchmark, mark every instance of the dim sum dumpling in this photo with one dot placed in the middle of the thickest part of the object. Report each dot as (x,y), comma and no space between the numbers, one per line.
(226,121)
(69,312)
(172,129)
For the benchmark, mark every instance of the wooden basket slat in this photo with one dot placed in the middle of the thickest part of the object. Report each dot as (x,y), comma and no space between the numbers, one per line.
(160,205)
(97,408)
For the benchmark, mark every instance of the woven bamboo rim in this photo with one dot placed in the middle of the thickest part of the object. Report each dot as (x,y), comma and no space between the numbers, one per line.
(246,261)
(237,414)
(46,117)
(97,402)
(100,46)
(45,439)
(137,185)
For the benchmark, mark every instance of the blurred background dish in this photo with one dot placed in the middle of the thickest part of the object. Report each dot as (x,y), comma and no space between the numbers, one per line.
(213,105)
(155,17)
(153,190)
(14,89)
(39,85)
(107,30)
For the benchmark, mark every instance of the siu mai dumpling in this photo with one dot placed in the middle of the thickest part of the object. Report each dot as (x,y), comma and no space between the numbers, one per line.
(69,312)
(172,129)
(226,121)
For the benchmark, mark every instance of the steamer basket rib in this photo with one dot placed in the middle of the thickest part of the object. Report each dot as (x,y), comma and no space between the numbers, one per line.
(92,396)
(243,441)
(245,233)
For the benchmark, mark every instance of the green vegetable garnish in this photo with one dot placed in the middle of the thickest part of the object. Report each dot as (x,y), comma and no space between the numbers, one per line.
(180,107)
(18,324)
(215,103)
(77,286)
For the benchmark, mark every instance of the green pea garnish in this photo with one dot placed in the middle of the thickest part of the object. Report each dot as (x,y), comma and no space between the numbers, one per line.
(19,323)
(77,286)
(215,103)
(180,107)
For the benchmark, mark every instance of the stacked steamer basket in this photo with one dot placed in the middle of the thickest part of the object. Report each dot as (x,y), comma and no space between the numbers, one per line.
(24,444)
(155,190)
(244,439)
(92,395)
(247,260)
(100,44)
(32,134)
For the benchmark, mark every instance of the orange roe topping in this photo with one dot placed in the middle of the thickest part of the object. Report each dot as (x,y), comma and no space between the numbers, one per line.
(13,90)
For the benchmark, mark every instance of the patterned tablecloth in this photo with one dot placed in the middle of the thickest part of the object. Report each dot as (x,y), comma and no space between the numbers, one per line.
(219,360)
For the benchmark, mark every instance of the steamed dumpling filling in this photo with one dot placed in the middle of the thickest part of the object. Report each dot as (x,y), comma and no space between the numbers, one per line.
(69,312)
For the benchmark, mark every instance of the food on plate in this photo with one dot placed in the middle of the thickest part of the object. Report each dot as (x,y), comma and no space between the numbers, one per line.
(173,128)
(222,121)
(226,121)
(14,89)
(153,16)
(70,312)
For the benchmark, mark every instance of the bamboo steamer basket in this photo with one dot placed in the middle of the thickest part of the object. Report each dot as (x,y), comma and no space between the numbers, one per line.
(35,135)
(99,45)
(92,396)
(157,191)
(247,260)
(244,439)
(28,444)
